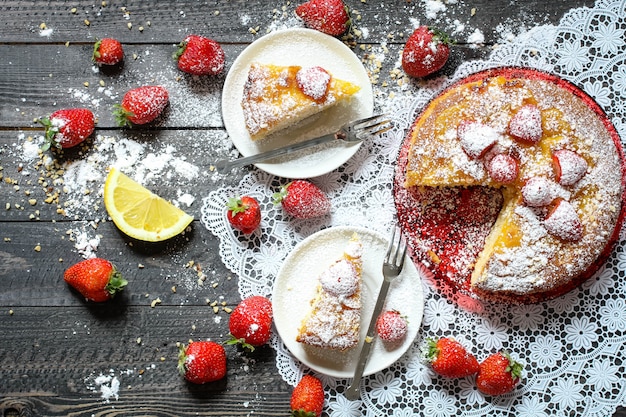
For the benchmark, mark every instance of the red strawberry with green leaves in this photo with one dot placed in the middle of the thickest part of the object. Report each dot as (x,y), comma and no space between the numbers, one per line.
(450,359)
(391,326)
(95,278)
(107,51)
(426,51)
(66,128)
(250,323)
(202,361)
(307,398)
(198,55)
(498,374)
(327,16)
(302,200)
(244,213)
(141,105)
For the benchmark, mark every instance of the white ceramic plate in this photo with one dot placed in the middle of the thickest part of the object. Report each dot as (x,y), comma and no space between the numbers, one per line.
(296,284)
(303,47)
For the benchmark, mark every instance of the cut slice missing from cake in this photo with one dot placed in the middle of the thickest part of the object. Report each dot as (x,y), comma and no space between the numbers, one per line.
(276,97)
(333,321)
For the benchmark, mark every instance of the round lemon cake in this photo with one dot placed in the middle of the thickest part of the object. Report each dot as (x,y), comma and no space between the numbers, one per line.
(510,186)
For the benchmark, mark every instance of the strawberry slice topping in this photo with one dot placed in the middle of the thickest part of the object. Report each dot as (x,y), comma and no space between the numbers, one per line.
(569,167)
(503,168)
(476,138)
(314,82)
(525,126)
(563,222)
(538,192)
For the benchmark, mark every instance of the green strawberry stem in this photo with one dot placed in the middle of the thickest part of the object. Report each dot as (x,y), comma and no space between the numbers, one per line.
(278,197)
(236,205)
(234,341)
(116,284)
(122,116)
(96,47)
(182,358)
(49,135)
(181,49)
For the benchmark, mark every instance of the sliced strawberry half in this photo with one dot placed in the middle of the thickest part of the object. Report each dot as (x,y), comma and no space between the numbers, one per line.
(476,138)
(503,168)
(563,222)
(525,126)
(569,167)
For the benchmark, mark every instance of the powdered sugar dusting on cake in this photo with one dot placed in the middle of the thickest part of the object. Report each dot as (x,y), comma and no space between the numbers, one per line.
(541,251)
(334,319)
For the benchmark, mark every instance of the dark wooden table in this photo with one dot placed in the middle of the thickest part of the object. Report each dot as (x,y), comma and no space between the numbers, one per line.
(54,345)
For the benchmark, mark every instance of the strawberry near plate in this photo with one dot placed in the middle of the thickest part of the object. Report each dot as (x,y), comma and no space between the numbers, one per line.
(303,47)
(295,287)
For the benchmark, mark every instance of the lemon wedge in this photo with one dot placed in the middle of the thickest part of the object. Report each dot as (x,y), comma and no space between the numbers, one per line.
(138,212)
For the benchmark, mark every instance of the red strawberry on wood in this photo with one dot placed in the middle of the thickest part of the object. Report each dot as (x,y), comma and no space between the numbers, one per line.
(327,16)
(95,278)
(426,52)
(244,214)
(498,374)
(302,200)
(307,398)
(66,128)
(141,105)
(199,55)
(250,323)
(107,51)
(450,359)
(202,362)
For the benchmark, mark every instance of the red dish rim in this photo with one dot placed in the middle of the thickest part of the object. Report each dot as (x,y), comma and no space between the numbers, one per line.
(470,299)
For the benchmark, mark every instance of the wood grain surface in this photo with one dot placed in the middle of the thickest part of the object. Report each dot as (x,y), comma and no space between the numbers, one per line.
(53,345)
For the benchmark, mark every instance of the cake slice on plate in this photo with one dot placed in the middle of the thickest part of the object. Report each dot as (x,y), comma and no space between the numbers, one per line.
(276,97)
(333,321)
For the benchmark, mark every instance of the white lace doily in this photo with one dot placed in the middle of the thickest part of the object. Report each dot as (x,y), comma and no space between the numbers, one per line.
(572,348)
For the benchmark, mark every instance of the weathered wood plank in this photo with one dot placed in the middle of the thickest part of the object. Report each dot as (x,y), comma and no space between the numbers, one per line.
(184,271)
(63,350)
(230,22)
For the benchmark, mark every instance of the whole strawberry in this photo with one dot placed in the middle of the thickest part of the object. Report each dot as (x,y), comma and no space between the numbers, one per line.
(327,16)
(95,278)
(200,56)
(498,374)
(307,398)
(244,214)
(391,326)
(141,105)
(201,362)
(425,52)
(107,51)
(303,200)
(67,127)
(450,359)
(250,323)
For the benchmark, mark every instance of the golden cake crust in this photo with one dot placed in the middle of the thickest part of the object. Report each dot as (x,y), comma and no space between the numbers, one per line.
(524,257)
(333,321)
(276,97)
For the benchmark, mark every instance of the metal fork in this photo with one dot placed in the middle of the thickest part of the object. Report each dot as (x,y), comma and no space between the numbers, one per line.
(351,132)
(392,266)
